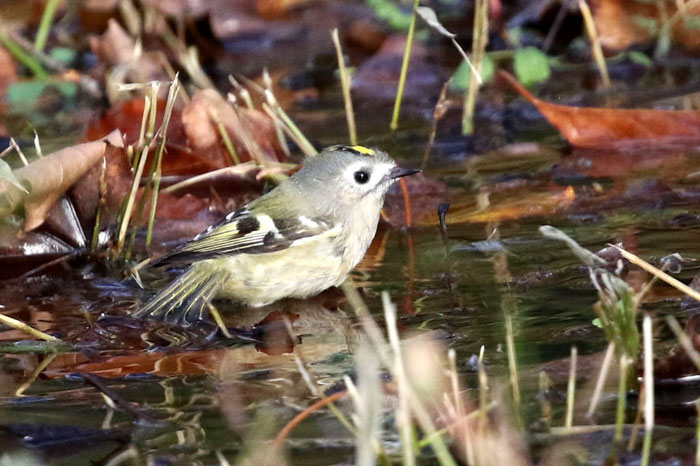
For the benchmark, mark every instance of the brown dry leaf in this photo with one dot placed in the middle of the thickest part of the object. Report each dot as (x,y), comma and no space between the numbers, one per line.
(535,204)
(623,23)
(48,178)
(117,50)
(608,128)
(118,179)
(178,158)
(8,70)
(115,46)
(207,107)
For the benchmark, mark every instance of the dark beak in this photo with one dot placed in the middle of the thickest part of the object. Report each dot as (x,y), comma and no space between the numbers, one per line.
(398,172)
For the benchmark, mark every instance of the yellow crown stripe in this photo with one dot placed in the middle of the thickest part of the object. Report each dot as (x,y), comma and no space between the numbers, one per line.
(359,150)
(363,150)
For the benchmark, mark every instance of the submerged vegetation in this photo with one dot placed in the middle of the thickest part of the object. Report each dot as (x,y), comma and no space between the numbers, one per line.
(470,334)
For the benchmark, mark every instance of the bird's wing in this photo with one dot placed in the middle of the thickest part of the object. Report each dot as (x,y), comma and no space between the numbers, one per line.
(250,233)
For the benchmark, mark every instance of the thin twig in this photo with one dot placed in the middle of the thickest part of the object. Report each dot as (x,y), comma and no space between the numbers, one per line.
(19,325)
(659,273)
(35,373)
(684,340)
(284,433)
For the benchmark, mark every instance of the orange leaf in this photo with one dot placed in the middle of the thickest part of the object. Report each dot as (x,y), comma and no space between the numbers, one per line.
(606,128)
(515,208)
(620,23)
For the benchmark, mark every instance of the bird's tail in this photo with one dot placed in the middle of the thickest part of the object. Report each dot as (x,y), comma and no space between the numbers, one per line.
(186,300)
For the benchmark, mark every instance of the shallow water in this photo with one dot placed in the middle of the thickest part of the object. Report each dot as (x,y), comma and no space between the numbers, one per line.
(212,396)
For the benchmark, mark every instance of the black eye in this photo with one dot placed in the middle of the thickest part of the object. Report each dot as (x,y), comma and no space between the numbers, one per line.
(361,177)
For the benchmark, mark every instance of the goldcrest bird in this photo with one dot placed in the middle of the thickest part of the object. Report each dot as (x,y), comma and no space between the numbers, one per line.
(297,240)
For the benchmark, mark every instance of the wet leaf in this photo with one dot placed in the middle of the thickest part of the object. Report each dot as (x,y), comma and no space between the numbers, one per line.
(532,204)
(428,15)
(7,175)
(607,128)
(531,66)
(48,178)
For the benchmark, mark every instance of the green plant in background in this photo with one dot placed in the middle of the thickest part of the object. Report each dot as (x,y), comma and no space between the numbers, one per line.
(387,10)
(531,66)
(462,75)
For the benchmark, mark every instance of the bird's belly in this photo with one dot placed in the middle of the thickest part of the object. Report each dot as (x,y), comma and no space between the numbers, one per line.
(260,279)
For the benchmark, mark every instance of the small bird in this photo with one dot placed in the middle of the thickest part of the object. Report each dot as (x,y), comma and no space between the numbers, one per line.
(302,237)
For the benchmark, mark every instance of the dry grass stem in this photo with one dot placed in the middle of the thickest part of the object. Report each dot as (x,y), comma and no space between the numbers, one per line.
(648,389)
(35,373)
(404,68)
(660,274)
(684,340)
(571,389)
(403,417)
(602,377)
(345,80)
(596,48)
(621,398)
(479,42)
(512,362)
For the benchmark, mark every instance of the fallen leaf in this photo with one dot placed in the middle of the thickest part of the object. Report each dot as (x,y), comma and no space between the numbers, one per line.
(119,52)
(624,23)
(7,175)
(513,208)
(8,70)
(118,179)
(607,128)
(178,158)
(48,178)
(250,130)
